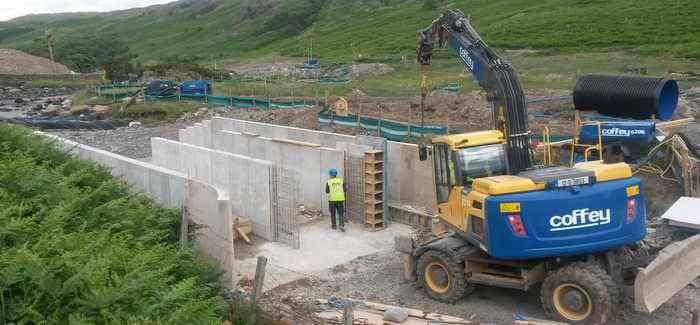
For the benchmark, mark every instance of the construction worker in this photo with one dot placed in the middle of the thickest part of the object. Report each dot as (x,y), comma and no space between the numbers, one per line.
(335,188)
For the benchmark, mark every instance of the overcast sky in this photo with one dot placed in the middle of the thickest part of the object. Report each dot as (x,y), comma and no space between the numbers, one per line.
(15,8)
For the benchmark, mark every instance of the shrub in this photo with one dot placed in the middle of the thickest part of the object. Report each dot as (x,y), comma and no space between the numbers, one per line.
(77,246)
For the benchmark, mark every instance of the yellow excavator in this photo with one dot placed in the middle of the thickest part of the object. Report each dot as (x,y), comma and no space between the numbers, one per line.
(575,232)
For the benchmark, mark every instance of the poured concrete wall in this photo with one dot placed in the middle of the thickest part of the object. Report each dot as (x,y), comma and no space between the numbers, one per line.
(206,206)
(325,139)
(247,181)
(409,181)
(310,161)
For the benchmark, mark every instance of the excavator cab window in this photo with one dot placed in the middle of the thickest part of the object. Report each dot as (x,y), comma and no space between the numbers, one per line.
(444,175)
(481,161)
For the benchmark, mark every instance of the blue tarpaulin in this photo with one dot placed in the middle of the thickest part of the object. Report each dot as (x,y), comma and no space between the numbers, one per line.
(195,87)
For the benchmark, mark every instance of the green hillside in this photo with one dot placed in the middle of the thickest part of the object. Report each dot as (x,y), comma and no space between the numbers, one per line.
(373,29)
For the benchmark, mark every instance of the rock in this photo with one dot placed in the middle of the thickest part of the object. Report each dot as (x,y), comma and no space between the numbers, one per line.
(66,104)
(102,111)
(395,314)
(77,110)
(14,90)
(51,110)
(202,109)
(19,101)
(134,124)
(695,284)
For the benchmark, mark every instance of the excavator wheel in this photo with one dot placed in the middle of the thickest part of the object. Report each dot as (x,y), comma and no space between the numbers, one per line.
(580,293)
(442,278)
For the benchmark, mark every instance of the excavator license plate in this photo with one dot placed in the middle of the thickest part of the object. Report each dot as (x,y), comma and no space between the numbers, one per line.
(566,182)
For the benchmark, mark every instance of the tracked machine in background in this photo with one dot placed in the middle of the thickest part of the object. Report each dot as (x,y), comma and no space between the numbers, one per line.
(574,232)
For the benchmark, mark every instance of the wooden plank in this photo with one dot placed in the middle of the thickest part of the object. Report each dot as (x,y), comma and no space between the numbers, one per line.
(243,235)
(675,123)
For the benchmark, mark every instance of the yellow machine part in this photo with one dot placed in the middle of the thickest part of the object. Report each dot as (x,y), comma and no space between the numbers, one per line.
(452,211)
(606,172)
(459,207)
(472,139)
(504,184)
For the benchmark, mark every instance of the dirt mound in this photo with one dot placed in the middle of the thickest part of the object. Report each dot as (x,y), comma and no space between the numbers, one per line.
(20,63)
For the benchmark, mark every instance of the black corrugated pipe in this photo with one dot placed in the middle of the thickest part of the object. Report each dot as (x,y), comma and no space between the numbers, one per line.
(627,96)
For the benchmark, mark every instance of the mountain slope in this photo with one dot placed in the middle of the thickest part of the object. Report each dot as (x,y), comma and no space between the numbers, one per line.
(374,29)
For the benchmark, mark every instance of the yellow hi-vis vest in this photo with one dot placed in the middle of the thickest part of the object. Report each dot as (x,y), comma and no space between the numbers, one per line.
(336,192)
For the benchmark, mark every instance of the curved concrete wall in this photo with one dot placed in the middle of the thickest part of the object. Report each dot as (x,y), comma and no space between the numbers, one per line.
(246,181)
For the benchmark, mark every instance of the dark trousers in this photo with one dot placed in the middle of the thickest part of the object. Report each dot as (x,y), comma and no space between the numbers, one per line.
(340,209)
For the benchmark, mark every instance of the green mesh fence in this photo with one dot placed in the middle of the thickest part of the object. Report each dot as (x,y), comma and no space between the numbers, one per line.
(234,102)
(392,130)
(395,131)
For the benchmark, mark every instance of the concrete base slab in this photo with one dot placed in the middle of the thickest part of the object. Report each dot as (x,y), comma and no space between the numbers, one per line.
(321,249)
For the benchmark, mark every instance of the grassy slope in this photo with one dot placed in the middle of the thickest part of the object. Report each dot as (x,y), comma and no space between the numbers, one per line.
(345,30)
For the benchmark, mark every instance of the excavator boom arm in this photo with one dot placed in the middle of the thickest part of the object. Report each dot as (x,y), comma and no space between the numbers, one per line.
(492,73)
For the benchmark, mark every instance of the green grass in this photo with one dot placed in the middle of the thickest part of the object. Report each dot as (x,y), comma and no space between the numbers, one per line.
(79,247)
(57,83)
(160,111)
(382,30)
(536,71)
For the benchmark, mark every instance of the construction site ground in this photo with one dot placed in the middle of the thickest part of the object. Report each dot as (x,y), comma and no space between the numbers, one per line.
(362,265)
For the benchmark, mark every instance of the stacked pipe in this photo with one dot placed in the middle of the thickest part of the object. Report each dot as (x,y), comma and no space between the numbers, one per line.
(627,96)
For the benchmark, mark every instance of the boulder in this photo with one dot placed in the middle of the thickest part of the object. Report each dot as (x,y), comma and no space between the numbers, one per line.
(78,109)
(51,110)
(398,315)
(102,111)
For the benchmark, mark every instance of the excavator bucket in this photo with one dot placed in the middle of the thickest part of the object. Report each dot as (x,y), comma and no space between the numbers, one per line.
(676,266)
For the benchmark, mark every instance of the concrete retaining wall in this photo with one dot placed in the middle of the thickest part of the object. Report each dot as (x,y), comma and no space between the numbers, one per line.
(409,181)
(206,205)
(310,161)
(246,181)
(325,139)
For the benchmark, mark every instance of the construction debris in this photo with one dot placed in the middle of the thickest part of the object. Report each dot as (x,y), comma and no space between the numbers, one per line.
(371,313)
(684,213)
(243,228)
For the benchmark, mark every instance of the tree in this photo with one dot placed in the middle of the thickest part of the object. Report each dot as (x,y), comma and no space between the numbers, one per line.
(89,53)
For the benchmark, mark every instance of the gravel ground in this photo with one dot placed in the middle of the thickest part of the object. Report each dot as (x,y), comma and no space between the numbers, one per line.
(133,142)
(378,278)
